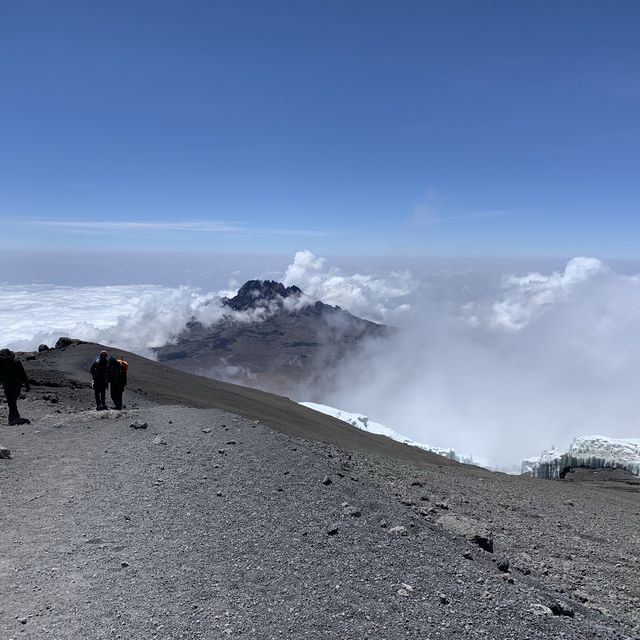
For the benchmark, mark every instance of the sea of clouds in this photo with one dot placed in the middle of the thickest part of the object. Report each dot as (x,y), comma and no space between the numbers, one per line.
(496,365)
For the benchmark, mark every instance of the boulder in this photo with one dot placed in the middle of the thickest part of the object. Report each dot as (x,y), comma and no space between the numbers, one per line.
(63,342)
(473,530)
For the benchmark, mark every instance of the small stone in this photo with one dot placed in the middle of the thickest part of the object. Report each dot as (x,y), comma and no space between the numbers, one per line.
(398,531)
(5,453)
(206,430)
(443,598)
(231,442)
(221,452)
(219,494)
(22,620)
(541,610)
(352,512)
(332,530)
(503,565)
(124,564)
(581,595)
(326,481)
(467,555)
(560,608)
(138,424)
(417,483)
(159,440)
(523,563)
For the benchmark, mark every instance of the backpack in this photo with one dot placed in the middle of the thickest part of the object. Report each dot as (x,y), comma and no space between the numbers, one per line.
(114,371)
(118,371)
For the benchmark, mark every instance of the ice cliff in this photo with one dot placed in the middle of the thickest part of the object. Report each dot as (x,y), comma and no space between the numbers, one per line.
(593,452)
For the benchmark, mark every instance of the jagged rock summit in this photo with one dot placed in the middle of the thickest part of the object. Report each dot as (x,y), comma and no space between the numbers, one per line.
(258,292)
(283,341)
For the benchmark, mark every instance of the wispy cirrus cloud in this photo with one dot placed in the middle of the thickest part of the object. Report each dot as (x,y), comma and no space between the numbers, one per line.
(427,214)
(429,211)
(200,226)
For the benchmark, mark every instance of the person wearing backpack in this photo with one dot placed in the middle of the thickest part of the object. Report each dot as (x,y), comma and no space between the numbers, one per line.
(100,374)
(117,379)
(13,378)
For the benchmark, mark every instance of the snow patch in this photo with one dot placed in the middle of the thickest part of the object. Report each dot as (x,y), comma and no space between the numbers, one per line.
(361,421)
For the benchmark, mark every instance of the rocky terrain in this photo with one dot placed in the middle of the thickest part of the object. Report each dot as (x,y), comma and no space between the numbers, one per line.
(285,341)
(206,510)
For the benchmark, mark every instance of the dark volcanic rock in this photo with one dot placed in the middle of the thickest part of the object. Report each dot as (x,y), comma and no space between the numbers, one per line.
(258,292)
(63,342)
(292,341)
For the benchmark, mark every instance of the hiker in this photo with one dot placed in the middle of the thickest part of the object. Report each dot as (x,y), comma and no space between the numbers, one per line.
(117,379)
(100,374)
(13,378)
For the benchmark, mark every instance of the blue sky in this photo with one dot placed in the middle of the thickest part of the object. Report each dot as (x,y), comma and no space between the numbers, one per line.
(451,128)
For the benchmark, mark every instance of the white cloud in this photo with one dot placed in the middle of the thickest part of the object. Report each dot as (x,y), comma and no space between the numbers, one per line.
(205,226)
(381,298)
(528,295)
(135,317)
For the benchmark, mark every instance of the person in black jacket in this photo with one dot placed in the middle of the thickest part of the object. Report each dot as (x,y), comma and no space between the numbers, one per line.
(100,374)
(13,378)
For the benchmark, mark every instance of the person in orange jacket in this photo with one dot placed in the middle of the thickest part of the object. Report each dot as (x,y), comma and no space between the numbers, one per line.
(118,369)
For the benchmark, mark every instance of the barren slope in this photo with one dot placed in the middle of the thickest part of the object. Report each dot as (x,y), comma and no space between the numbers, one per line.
(230,528)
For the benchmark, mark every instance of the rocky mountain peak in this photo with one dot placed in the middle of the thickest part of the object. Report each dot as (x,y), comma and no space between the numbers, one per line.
(253,293)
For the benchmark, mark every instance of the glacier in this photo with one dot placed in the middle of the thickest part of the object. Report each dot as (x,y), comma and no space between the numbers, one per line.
(593,452)
(360,421)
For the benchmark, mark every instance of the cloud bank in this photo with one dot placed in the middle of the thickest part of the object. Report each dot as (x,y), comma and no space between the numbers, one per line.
(134,317)
(552,357)
(500,366)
